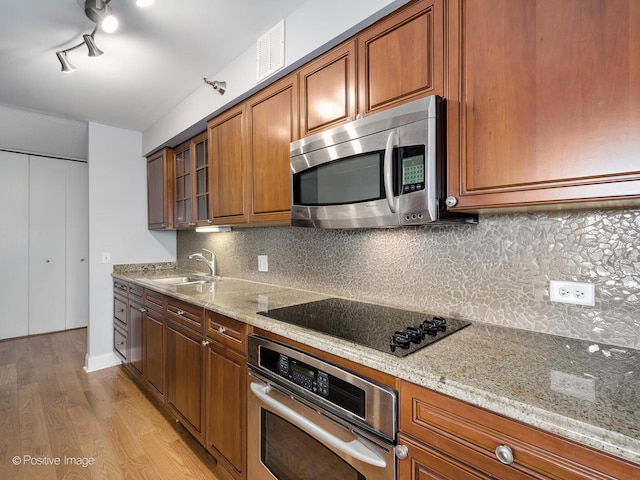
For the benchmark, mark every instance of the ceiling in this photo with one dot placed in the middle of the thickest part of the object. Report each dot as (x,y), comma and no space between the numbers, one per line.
(157,57)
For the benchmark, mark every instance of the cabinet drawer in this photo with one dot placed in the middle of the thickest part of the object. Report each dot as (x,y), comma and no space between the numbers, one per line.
(120,310)
(121,288)
(186,314)
(431,417)
(120,343)
(227,331)
(135,292)
(154,300)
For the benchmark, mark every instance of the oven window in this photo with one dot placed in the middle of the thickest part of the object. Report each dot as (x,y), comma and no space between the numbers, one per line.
(344,181)
(290,454)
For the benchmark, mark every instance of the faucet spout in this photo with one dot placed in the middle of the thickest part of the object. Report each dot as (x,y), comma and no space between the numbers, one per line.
(211,263)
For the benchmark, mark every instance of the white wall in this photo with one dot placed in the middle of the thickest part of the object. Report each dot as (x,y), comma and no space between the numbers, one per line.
(30,132)
(117,224)
(307,29)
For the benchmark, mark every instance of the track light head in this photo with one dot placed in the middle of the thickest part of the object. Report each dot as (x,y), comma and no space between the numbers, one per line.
(67,67)
(221,87)
(89,41)
(99,12)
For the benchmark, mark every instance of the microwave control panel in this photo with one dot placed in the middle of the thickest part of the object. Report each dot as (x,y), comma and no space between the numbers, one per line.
(412,168)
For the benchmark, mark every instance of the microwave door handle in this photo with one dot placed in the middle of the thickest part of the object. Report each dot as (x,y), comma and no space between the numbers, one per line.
(354,448)
(392,141)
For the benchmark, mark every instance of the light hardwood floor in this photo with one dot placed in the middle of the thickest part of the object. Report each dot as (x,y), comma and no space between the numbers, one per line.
(51,410)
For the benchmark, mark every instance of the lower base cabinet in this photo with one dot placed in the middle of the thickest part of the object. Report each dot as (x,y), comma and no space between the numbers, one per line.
(226,387)
(448,438)
(185,374)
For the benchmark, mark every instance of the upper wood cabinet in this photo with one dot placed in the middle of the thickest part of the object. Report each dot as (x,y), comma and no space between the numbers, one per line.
(272,124)
(160,183)
(328,90)
(543,101)
(401,58)
(398,59)
(191,173)
(228,167)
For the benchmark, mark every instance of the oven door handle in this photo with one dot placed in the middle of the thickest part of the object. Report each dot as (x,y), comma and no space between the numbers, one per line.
(354,448)
(392,141)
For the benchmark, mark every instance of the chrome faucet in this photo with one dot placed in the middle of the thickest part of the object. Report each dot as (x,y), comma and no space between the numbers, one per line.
(210,263)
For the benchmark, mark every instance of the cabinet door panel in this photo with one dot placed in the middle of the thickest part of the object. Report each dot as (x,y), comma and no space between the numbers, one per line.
(228,169)
(154,350)
(550,101)
(47,262)
(328,90)
(135,335)
(160,194)
(401,58)
(184,377)
(273,120)
(226,391)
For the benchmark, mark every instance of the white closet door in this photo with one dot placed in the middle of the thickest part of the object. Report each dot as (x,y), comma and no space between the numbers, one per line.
(46,245)
(14,245)
(77,245)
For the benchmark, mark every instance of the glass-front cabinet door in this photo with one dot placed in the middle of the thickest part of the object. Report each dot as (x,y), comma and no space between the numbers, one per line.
(191,164)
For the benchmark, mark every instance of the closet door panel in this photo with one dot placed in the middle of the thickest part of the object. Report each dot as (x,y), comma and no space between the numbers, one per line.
(14,244)
(46,245)
(77,245)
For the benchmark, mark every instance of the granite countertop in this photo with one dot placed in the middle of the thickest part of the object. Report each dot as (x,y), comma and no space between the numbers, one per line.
(580,390)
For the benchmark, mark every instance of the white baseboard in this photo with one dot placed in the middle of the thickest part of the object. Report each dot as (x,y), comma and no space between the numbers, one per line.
(98,362)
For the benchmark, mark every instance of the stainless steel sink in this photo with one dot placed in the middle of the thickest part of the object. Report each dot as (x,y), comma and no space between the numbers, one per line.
(186,280)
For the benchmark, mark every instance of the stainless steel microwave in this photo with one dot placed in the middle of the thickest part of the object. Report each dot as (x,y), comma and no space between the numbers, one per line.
(384,170)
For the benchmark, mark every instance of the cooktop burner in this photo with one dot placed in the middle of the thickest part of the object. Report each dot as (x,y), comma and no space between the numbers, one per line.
(391,330)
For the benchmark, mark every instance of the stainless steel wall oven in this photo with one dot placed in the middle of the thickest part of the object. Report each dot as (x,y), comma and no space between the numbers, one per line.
(309,419)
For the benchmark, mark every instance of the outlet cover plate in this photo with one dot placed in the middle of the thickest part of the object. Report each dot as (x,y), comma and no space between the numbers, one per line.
(574,293)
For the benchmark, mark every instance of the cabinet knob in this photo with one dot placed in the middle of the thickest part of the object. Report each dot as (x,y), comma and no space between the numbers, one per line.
(504,454)
(205,343)
(221,330)
(119,344)
(180,313)
(402,452)
(451,201)
(142,310)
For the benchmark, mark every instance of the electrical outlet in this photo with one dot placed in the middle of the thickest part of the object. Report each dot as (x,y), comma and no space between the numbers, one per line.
(106,257)
(263,263)
(573,292)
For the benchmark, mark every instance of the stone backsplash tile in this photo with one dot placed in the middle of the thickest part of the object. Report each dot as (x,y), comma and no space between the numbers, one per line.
(496,272)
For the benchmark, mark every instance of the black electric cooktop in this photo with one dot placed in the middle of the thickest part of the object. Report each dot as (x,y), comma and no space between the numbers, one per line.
(391,330)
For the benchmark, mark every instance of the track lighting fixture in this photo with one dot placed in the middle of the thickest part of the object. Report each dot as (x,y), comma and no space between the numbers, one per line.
(100,13)
(221,87)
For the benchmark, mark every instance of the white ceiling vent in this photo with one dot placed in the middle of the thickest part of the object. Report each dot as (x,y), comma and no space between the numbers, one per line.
(270,51)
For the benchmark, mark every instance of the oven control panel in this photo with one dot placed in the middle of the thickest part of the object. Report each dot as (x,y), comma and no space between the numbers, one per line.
(300,373)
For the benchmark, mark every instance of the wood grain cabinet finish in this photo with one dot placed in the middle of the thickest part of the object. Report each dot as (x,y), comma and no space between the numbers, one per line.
(227,158)
(191,183)
(543,101)
(185,377)
(272,124)
(135,333)
(226,392)
(328,90)
(154,343)
(160,196)
(401,58)
(120,319)
(445,435)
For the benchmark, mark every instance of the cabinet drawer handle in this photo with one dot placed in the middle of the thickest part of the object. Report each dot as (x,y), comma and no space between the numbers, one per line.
(180,313)
(142,310)
(119,344)
(504,454)
(402,452)
(222,330)
(121,310)
(205,343)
